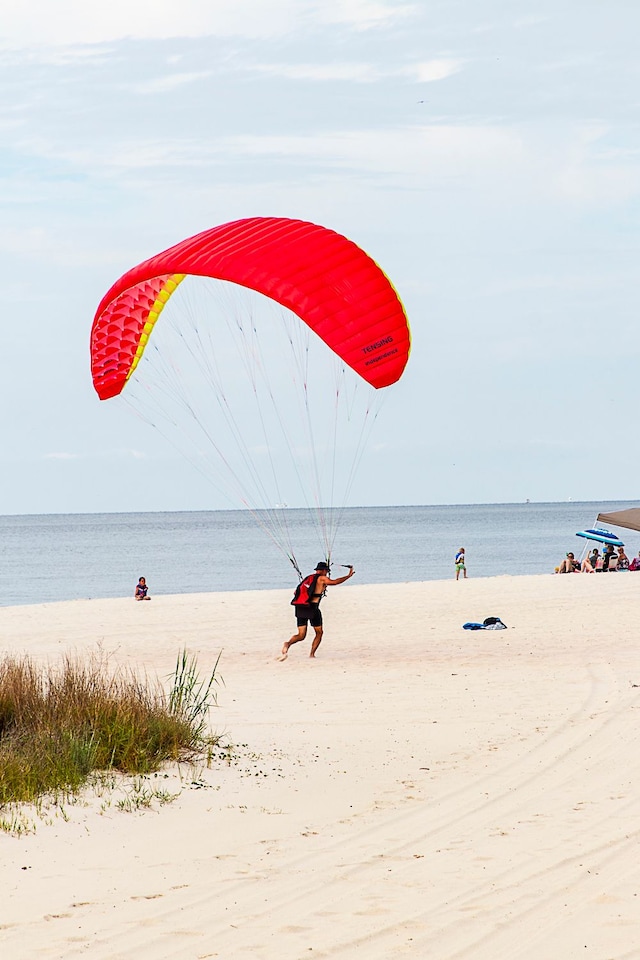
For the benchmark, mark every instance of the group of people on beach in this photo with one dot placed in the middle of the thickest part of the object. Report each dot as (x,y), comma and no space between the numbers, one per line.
(606,562)
(306,601)
(311,590)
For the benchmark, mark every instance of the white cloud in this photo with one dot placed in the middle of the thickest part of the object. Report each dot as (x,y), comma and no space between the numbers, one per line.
(364,13)
(31,50)
(27,240)
(47,244)
(358,72)
(435,69)
(519,161)
(574,165)
(423,151)
(171,81)
(43,23)
(102,455)
(531,20)
(64,456)
(67,22)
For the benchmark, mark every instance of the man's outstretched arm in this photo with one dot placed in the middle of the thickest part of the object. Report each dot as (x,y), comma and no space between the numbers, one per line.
(332,583)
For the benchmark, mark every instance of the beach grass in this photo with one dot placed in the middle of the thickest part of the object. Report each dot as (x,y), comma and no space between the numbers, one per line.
(59,724)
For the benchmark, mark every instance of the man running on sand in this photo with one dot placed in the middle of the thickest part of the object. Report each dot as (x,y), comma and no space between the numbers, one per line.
(310,612)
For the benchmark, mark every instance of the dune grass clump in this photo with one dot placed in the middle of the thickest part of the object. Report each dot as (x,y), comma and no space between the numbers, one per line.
(60,724)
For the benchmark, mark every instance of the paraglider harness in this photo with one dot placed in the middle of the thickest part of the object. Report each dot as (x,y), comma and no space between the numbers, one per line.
(305,590)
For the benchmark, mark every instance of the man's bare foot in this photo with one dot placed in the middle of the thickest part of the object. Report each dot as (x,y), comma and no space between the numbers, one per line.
(284,656)
(285,651)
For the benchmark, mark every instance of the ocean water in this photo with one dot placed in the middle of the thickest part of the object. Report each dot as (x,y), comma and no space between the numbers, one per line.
(55,557)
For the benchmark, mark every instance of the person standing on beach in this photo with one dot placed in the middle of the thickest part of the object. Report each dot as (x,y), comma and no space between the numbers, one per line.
(460,565)
(309,611)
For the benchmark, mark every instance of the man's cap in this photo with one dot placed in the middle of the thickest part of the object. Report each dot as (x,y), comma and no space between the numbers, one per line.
(322,565)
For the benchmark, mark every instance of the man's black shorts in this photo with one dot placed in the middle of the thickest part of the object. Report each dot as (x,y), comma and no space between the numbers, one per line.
(308,612)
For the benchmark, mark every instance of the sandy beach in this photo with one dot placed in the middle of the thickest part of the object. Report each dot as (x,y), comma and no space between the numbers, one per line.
(416,791)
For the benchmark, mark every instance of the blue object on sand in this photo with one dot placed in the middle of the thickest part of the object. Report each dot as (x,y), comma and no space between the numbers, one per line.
(601,536)
(491,623)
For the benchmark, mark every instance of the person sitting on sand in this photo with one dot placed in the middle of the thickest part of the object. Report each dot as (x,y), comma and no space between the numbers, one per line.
(141,590)
(623,560)
(608,555)
(568,565)
(588,565)
(310,611)
(635,563)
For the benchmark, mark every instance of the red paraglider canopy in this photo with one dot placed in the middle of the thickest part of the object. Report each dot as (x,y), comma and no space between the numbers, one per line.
(327,280)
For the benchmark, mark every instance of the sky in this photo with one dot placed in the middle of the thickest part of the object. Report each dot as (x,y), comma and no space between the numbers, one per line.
(486,153)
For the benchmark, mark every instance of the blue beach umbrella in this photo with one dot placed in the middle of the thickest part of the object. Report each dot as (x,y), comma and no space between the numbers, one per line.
(601,536)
